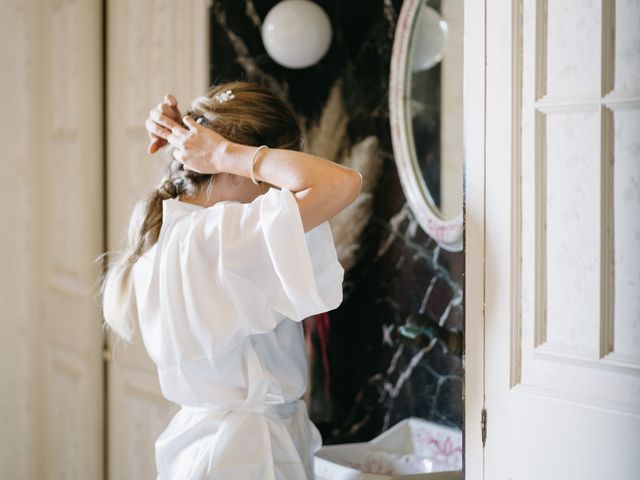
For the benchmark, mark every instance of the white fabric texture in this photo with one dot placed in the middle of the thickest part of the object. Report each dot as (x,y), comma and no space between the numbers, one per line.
(220,298)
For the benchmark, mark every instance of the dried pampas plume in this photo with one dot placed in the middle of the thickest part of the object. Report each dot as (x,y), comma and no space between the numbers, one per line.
(328,139)
(347,226)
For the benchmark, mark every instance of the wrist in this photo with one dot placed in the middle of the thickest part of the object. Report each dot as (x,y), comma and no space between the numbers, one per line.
(217,156)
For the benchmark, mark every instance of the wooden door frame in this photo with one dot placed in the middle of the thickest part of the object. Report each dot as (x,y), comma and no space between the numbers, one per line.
(474,233)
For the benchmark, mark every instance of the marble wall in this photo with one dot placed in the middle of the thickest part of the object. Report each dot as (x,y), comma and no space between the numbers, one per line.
(394,348)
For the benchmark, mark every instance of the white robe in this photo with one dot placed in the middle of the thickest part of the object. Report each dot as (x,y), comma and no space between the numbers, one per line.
(220,299)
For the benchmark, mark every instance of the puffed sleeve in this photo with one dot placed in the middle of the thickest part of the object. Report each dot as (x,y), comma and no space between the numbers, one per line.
(267,266)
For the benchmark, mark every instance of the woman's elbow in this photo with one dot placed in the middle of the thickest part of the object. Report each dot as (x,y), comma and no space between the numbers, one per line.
(352,185)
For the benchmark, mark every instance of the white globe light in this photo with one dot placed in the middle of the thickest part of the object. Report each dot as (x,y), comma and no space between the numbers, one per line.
(429,39)
(296,33)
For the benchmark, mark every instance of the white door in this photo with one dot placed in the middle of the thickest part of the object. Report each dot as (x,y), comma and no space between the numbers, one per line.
(51,342)
(153,48)
(562,250)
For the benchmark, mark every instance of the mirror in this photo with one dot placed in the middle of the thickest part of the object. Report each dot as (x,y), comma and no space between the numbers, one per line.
(425,103)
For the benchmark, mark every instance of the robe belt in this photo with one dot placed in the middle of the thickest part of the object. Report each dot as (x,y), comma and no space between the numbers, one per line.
(285,408)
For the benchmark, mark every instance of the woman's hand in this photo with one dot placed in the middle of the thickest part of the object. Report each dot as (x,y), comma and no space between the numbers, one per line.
(320,187)
(161,120)
(197,147)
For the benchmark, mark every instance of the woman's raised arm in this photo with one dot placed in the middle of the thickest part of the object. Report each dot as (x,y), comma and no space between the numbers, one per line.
(321,187)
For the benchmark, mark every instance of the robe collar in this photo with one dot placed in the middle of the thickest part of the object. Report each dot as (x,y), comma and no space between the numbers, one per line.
(172,207)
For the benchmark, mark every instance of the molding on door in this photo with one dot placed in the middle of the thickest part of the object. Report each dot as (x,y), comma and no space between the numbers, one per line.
(515,370)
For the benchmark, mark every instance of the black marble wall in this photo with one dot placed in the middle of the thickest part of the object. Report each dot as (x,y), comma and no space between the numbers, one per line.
(394,346)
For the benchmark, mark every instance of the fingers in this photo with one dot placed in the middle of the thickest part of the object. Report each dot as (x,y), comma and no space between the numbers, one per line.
(169,106)
(181,132)
(172,112)
(154,145)
(178,155)
(162,119)
(190,122)
(170,100)
(181,156)
(167,110)
(156,130)
(176,141)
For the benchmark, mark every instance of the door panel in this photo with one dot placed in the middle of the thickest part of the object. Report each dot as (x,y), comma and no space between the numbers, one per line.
(72,157)
(563,371)
(52,343)
(154,47)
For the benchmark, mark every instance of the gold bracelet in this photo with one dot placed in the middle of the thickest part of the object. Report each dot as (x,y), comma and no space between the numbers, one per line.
(253,161)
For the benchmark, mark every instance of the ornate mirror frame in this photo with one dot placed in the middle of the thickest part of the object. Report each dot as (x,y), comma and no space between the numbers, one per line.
(448,233)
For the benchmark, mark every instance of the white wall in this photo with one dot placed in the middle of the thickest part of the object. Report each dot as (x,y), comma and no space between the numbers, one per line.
(52,402)
(50,132)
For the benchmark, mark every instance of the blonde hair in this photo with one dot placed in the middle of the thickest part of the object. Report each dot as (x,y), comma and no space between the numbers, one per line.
(253,116)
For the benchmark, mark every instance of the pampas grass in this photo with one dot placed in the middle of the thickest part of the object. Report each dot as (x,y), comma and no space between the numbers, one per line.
(328,139)
(348,225)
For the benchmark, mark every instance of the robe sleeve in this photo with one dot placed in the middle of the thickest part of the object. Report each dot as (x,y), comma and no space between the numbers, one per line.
(267,266)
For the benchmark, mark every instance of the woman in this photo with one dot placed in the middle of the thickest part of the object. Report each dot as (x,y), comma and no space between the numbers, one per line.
(225,259)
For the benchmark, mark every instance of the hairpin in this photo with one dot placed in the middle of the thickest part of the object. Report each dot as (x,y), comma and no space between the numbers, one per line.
(224,96)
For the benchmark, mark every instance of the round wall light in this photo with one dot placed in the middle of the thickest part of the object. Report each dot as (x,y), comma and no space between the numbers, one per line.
(296,33)
(429,40)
